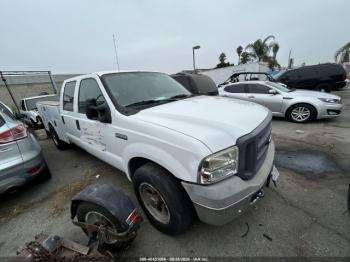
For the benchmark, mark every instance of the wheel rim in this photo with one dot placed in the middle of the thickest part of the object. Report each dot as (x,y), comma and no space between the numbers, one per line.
(154,203)
(97,219)
(300,114)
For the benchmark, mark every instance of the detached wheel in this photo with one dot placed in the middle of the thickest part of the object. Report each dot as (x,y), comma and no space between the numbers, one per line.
(58,142)
(324,88)
(163,199)
(301,113)
(96,215)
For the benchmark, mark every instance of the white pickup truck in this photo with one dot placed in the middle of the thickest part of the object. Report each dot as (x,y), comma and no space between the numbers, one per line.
(186,155)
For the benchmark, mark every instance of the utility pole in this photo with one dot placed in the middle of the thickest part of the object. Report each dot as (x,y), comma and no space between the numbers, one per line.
(116,54)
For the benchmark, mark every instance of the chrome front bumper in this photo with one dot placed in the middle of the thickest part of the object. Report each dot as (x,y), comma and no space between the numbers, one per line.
(220,203)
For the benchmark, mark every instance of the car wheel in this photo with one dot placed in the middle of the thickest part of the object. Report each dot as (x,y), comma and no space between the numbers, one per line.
(96,215)
(301,113)
(324,88)
(45,174)
(163,199)
(58,142)
(39,122)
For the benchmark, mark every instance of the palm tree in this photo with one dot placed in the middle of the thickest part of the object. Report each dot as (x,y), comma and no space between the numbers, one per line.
(342,54)
(239,51)
(245,57)
(275,49)
(261,49)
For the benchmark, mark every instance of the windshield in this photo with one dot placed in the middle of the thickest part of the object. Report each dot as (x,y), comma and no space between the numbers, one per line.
(137,87)
(31,103)
(279,87)
(277,75)
(6,111)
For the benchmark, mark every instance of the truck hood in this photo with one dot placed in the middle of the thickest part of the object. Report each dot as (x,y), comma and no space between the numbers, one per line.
(216,121)
(314,94)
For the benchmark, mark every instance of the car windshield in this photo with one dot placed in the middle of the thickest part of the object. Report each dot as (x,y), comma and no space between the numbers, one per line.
(142,88)
(277,75)
(279,87)
(31,103)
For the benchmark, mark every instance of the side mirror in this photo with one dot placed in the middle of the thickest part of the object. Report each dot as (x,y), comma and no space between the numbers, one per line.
(273,92)
(100,113)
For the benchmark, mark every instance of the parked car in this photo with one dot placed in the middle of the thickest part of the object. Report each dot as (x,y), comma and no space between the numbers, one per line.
(298,106)
(185,156)
(196,83)
(30,112)
(21,159)
(322,77)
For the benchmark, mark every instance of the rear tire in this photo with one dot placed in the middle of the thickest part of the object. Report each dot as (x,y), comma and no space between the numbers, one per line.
(163,199)
(61,145)
(324,88)
(85,210)
(301,113)
(39,122)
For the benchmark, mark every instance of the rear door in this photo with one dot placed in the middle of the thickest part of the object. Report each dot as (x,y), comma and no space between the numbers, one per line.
(259,94)
(69,111)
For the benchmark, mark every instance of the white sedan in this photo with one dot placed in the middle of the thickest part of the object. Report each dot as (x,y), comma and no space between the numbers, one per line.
(298,106)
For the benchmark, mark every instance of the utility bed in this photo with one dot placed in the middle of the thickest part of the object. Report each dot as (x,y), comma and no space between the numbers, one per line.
(50,113)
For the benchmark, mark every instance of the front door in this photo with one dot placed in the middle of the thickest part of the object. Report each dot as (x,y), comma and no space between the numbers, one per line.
(259,94)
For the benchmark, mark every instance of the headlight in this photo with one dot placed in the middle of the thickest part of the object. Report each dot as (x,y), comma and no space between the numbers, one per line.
(218,166)
(330,100)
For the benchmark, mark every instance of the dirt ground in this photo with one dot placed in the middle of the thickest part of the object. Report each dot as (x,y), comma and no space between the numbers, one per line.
(306,215)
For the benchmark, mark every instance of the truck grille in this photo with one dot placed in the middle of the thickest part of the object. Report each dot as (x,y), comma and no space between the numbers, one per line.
(253,148)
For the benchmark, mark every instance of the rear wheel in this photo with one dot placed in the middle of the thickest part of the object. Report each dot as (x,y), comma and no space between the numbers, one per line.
(56,140)
(96,215)
(39,122)
(324,88)
(301,113)
(163,199)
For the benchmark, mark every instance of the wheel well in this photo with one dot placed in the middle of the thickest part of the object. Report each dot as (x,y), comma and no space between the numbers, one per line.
(289,108)
(137,162)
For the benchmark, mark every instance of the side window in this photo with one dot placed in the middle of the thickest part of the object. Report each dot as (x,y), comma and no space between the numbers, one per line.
(23,106)
(258,89)
(2,121)
(235,89)
(89,94)
(68,96)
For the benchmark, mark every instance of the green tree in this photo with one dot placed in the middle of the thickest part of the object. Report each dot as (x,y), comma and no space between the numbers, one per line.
(245,57)
(239,51)
(261,50)
(222,59)
(342,54)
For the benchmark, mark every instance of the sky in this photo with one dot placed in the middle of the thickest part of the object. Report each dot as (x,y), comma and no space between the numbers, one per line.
(67,36)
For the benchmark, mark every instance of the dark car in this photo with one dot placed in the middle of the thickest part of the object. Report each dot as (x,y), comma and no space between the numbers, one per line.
(197,84)
(322,77)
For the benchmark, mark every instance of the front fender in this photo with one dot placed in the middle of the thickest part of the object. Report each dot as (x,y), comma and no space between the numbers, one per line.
(111,198)
(162,158)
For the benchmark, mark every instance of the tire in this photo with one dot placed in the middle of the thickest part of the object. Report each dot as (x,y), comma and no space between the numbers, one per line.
(177,213)
(45,174)
(297,113)
(83,211)
(61,145)
(324,88)
(39,122)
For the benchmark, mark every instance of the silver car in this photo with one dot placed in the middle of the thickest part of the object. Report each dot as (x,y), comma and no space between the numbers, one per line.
(21,159)
(298,106)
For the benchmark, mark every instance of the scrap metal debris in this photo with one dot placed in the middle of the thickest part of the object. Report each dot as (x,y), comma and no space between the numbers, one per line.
(246,233)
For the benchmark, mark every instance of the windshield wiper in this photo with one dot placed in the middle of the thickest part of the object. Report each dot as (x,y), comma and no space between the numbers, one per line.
(145,102)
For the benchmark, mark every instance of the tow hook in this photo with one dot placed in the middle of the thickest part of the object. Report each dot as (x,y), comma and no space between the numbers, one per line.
(257,196)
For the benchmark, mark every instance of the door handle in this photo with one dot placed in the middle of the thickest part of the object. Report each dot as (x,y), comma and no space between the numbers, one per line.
(77,124)
(251,96)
